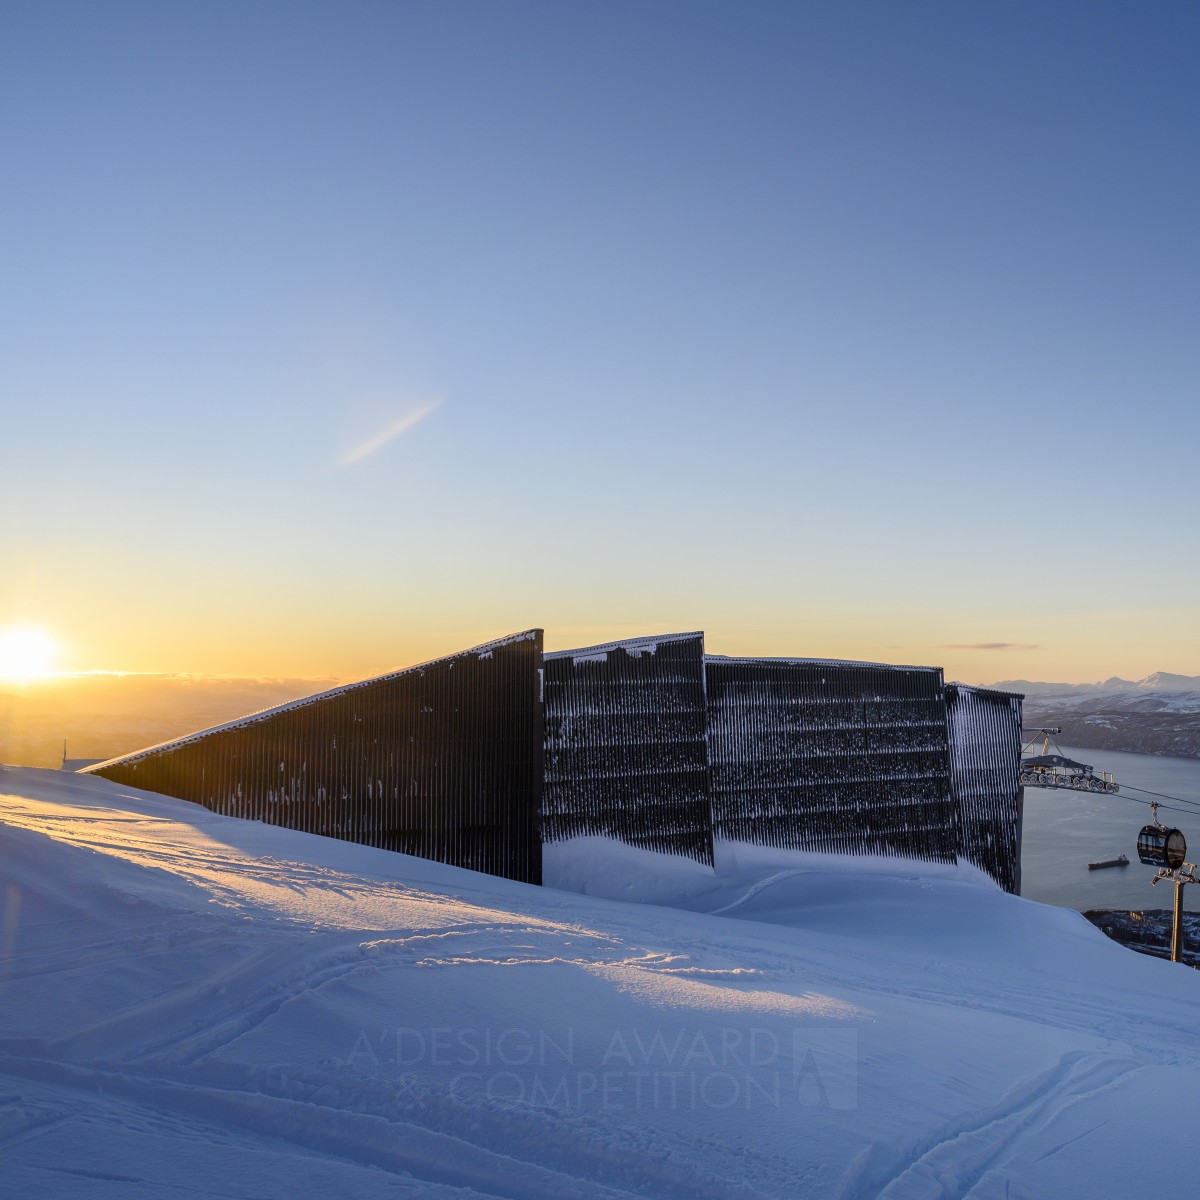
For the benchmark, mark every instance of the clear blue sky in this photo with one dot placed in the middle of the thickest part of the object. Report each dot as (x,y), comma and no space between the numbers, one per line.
(861,329)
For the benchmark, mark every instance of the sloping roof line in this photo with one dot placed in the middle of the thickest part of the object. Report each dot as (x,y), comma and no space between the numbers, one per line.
(985,691)
(266,713)
(646,640)
(813,662)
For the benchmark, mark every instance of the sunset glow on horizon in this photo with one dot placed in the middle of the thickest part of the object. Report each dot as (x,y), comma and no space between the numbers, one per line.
(327,655)
(26,653)
(794,324)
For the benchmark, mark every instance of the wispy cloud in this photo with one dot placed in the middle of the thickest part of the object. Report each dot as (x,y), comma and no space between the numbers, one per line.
(987,646)
(389,433)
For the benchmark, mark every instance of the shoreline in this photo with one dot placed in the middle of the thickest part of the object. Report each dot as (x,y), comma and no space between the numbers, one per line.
(1148,931)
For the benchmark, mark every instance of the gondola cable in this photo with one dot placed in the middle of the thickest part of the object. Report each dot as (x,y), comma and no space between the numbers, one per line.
(1160,795)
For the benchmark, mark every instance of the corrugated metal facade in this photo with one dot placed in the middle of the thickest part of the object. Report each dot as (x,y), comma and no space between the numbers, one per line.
(625,751)
(477,758)
(850,758)
(443,761)
(985,764)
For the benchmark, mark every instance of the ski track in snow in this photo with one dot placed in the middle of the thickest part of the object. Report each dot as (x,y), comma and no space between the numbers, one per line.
(956,1162)
(173,979)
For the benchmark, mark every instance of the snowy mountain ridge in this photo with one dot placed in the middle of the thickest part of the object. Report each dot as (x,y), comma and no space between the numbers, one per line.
(1168,731)
(1156,715)
(1159,681)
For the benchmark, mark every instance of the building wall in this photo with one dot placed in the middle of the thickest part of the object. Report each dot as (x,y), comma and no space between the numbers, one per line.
(443,761)
(477,758)
(625,753)
(850,758)
(985,762)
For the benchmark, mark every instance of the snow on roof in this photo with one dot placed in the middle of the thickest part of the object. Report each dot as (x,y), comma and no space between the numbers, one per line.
(484,651)
(637,646)
(986,691)
(813,662)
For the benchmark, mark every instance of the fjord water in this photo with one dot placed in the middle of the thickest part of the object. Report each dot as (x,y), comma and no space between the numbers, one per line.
(1064,831)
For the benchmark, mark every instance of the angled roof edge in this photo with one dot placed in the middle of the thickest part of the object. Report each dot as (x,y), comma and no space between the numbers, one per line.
(814,662)
(642,640)
(264,714)
(985,691)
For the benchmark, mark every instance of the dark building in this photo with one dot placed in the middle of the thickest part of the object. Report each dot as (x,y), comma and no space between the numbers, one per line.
(836,756)
(625,752)
(442,761)
(477,758)
(985,766)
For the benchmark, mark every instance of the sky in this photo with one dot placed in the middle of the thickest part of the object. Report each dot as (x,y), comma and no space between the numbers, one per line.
(337,337)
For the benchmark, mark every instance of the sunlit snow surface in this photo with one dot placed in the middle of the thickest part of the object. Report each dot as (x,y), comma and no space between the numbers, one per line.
(198,1006)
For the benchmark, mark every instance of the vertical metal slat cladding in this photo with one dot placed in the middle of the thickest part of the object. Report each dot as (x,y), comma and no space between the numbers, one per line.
(648,741)
(461,736)
(850,758)
(625,753)
(985,769)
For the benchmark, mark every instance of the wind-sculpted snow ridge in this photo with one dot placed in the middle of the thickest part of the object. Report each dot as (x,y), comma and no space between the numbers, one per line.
(196,1005)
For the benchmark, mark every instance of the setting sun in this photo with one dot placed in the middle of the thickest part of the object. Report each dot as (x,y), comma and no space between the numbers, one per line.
(26,652)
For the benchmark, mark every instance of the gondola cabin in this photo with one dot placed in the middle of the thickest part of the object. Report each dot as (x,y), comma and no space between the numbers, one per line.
(1159,846)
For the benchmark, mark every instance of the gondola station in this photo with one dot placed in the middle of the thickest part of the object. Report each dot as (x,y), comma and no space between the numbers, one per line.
(1055,770)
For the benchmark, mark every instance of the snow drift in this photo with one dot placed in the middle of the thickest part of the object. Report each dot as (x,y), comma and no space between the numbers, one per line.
(197,1004)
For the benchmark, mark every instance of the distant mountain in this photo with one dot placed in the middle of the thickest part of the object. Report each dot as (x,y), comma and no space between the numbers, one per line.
(1166,682)
(1156,715)
(1160,681)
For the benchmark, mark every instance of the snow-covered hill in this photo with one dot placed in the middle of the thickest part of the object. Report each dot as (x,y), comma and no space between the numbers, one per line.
(1159,681)
(193,1005)
(1156,715)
